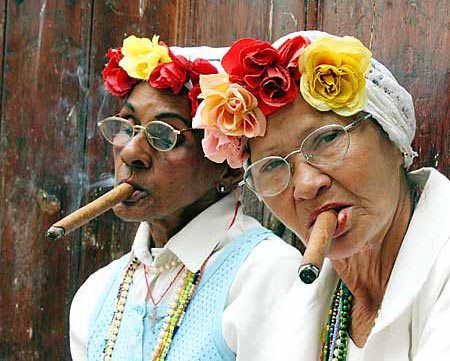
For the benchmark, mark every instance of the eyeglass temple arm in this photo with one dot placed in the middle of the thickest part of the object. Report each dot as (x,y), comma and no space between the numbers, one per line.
(357,122)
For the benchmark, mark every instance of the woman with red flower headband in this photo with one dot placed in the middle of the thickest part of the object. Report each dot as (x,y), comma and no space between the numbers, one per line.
(201,275)
(324,128)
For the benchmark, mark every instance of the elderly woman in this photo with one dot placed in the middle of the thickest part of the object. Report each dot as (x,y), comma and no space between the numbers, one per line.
(338,137)
(201,275)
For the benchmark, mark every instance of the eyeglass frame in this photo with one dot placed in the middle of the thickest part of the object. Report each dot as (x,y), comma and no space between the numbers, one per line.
(148,136)
(347,128)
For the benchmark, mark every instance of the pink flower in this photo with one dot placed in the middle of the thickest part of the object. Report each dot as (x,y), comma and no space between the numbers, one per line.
(229,108)
(219,147)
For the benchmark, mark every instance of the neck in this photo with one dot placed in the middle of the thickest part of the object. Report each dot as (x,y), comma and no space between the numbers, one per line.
(367,273)
(163,229)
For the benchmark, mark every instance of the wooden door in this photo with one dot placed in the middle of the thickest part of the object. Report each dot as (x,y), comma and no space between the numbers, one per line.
(52,159)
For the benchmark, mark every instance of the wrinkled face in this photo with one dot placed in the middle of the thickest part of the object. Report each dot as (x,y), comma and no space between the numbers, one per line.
(364,189)
(167,183)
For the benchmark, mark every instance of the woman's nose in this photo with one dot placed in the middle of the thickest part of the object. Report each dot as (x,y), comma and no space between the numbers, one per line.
(136,153)
(308,180)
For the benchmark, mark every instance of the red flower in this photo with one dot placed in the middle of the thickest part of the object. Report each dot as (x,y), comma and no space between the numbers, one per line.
(193,96)
(276,90)
(200,66)
(116,80)
(170,75)
(290,51)
(248,57)
(271,75)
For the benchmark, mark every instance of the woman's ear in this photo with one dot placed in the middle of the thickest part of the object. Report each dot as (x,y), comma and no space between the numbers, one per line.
(229,179)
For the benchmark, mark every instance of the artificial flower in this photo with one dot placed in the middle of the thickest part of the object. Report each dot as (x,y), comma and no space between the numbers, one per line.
(142,55)
(290,52)
(333,74)
(229,108)
(277,89)
(198,67)
(248,57)
(116,80)
(170,75)
(219,147)
(193,94)
(271,75)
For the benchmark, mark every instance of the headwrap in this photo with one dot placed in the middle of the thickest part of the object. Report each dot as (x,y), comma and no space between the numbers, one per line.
(174,68)
(387,101)
(332,73)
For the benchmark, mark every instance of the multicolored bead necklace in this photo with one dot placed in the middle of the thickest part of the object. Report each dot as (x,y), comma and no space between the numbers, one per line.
(335,335)
(120,306)
(176,314)
(172,322)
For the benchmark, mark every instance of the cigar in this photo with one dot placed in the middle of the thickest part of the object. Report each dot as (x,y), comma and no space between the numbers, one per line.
(85,214)
(319,242)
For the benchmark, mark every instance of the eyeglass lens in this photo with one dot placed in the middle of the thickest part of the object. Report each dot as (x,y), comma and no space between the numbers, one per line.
(325,146)
(119,132)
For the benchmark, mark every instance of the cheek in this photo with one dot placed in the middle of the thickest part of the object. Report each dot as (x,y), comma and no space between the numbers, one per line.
(289,212)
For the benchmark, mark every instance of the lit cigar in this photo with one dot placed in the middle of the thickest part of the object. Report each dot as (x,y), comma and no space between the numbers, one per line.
(318,244)
(85,214)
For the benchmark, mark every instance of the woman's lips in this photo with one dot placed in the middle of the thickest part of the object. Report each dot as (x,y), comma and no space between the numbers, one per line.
(136,196)
(343,222)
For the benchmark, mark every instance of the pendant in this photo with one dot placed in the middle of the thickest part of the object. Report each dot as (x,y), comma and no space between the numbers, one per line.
(154,317)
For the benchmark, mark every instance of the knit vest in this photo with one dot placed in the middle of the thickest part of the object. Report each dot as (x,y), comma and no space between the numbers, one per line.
(200,336)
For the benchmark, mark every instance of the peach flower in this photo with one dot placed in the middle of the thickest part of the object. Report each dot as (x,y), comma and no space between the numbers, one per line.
(229,108)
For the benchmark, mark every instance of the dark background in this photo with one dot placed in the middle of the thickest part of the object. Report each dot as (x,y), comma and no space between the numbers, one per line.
(52,160)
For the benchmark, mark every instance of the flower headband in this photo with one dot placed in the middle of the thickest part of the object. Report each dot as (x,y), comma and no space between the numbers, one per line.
(153,61)
(329,72)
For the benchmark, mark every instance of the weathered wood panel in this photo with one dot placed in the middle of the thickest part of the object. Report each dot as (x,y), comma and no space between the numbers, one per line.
(42,105)
(52,96)
(412,39)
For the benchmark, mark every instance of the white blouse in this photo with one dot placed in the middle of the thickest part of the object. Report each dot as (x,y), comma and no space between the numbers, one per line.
(414,317)
(268,272)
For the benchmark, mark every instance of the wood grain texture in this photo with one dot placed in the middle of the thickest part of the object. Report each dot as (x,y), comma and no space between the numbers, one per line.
(43,72)
(52,159)
(411,38)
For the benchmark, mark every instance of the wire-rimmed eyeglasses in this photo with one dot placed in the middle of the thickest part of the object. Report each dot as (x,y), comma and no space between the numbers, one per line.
(327,145)
(160,135)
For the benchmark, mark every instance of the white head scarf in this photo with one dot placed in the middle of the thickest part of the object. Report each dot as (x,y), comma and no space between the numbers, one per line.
(388,102)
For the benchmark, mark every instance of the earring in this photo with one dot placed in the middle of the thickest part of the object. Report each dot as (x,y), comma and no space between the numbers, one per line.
(221,188)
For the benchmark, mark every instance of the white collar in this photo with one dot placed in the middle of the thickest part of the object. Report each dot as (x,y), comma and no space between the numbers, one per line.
(195,242)
(426,235)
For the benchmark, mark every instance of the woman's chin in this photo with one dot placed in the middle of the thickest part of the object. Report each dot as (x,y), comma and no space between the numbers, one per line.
(129,213)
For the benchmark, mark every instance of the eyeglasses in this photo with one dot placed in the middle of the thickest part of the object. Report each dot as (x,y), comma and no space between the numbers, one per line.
(327,145)
(160,135)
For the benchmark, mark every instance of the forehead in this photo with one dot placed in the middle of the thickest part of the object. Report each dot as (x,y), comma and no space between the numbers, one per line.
(287,128)
(148,103)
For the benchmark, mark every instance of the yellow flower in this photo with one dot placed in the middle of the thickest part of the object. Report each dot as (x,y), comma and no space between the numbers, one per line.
(333,74)
(229,108)
(141,56)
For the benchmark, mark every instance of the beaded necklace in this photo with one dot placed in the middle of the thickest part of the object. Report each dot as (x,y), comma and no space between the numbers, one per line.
(176,313)
(120,306)
(335,334)
(172,322)
(154,315)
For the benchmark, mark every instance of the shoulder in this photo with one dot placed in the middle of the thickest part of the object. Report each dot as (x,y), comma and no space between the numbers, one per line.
(272,263)
(90,291)
(83,306)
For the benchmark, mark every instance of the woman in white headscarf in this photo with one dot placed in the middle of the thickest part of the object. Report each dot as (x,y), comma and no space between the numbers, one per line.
(324,127)
(201,275)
